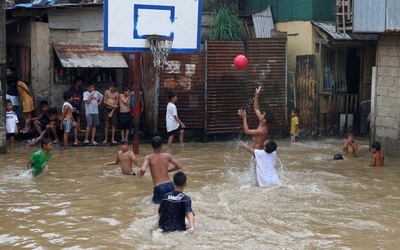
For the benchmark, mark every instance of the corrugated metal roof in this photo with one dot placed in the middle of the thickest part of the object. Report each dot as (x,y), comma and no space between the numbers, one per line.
(87,55)
(263,23)
(330,29)
(369,15)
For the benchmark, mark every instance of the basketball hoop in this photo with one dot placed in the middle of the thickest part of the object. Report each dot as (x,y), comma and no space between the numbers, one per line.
(160,46)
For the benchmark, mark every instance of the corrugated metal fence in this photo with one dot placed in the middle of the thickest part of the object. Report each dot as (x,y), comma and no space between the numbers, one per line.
(211,90)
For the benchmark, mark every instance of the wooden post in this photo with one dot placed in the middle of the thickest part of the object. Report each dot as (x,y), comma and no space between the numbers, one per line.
(3,60)
(137,79)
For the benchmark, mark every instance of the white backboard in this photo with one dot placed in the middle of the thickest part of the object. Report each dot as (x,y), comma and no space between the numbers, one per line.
(127,23)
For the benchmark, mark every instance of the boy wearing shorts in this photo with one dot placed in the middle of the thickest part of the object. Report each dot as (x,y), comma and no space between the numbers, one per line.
(174,124)
(11,124)
(125,118)
(92,99)
(67,119)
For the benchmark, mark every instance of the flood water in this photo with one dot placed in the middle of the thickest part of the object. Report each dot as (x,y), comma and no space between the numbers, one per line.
(326,205)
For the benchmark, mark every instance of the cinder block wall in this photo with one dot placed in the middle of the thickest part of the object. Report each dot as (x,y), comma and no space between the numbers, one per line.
(388,94)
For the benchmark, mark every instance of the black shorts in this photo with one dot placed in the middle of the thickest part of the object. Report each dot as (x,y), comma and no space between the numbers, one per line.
(176,131)
(125,120)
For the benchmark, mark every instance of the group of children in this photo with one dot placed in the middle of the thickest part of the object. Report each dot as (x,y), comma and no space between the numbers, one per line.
(174,204)
(351,146)
(49,124)
(264,150)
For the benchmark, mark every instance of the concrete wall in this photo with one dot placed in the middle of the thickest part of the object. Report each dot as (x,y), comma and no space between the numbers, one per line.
(301,36)
(387,117)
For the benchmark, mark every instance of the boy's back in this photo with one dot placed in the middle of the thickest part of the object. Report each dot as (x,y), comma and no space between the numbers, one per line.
(158,163)
(265,168)
(173,209)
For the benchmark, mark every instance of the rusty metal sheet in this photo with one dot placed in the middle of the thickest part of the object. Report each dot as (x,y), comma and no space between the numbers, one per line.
(267,68)
(184,74)
(306,95)
(87,55)
(226,89)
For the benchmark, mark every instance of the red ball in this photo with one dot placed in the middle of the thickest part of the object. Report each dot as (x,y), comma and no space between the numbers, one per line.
(240,62)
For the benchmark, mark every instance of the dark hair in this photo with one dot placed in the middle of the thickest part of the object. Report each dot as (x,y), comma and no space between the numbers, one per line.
(66,95)
(125,88)
(52,111)
(349,133)
(43,103)
(376,145)
(271,147)
(124,141)
(338,157)
(156,142)
(171,94)
(12,69)
(296,111)
(77,78)
(269,116)
(45,141)
(179,179)
(88,83)
(114,84)
(8,101)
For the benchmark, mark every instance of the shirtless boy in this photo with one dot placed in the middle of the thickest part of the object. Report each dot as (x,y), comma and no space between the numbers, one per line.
(125,117)
(111,97)
(67,119)
(261,132)
(125,158)
(350,146)
(159,163)
(378,158)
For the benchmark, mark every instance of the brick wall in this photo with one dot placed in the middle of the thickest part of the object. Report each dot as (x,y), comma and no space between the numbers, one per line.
(387,122)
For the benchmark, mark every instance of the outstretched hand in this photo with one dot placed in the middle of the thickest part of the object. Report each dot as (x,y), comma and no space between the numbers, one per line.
(242,113)
(258,90)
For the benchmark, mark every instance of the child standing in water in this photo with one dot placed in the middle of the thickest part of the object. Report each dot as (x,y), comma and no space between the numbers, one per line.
(11,124)
(125,158)
(377,156)
(265,163)
(175,206)
(39,159)
(294,124)
(159,163)
(350,146)
(174,124)
(261,132)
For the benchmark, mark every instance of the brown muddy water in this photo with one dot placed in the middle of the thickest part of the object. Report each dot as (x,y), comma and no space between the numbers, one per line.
(326,204)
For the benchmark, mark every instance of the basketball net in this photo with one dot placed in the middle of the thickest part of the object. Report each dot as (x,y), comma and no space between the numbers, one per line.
(160,46)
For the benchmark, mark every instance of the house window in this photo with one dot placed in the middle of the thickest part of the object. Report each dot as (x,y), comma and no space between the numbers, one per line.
(341,72)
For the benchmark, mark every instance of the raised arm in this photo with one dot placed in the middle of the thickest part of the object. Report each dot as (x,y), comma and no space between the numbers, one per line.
(246,129)
(247,147)
(256,105)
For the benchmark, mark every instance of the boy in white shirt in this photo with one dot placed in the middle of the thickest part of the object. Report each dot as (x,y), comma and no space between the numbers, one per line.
(92,99)
(67,119)
(174,124)
(265,163)
(11,124)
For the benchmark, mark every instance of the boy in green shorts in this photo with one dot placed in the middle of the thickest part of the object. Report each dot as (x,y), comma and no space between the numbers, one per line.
(39,159)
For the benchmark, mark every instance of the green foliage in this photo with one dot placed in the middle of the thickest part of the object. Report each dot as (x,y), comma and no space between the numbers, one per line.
(226,25)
